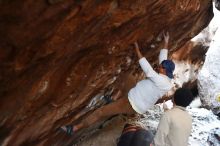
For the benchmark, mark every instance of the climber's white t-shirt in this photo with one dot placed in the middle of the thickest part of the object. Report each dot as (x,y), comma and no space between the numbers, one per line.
(146,92)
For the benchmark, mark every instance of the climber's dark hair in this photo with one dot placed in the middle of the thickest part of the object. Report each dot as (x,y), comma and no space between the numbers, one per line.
(183,97)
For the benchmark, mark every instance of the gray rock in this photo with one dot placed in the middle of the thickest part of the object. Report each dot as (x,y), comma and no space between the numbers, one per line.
(214,137)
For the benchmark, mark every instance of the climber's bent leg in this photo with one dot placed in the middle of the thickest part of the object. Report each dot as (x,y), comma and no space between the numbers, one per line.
(121,106)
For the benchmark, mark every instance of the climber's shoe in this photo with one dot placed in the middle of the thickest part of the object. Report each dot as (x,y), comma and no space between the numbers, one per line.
(112,96)
(68,129)
(108,99)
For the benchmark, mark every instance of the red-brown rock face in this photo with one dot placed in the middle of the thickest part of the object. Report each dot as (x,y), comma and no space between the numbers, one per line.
(56,55)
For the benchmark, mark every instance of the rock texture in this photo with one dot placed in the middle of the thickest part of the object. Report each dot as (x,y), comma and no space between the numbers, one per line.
(56,55)
(214,137)
(217,4)
(209,76)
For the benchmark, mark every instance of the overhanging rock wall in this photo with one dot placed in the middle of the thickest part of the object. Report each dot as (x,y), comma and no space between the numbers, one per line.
(56,55)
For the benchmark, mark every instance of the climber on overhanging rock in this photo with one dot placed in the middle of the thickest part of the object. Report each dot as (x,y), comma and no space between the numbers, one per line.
(141,97)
